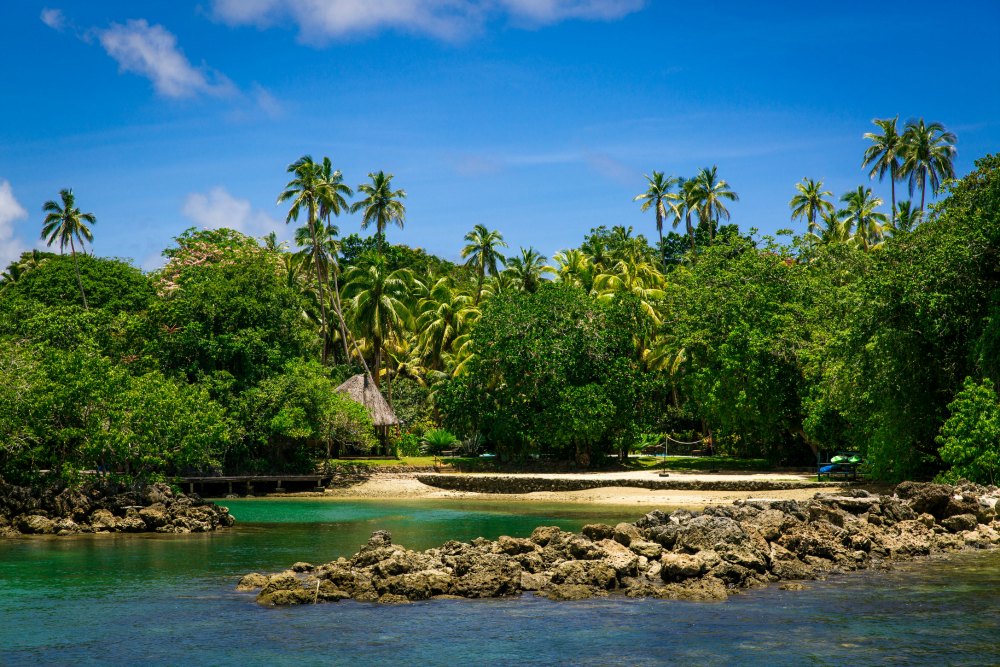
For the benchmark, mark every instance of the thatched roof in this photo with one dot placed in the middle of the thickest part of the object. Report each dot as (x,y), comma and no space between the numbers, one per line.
(364,391)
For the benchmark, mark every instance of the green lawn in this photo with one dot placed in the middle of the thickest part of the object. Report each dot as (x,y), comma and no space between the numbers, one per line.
(698,463)
(403,461)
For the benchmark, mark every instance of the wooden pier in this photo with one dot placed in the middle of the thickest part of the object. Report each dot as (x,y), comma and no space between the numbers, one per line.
(245,483)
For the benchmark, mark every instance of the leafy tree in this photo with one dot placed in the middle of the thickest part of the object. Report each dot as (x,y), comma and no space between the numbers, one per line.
(64,223)
(112,284)
(378,301)
(970,438)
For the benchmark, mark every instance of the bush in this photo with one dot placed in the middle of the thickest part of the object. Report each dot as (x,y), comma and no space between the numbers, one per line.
(970,439)
(437,440)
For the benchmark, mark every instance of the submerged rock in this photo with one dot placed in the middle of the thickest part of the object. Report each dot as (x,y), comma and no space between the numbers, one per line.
(685,555)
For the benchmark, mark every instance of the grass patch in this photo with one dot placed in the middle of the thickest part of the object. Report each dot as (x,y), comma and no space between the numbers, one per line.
(403,461)
(699,463)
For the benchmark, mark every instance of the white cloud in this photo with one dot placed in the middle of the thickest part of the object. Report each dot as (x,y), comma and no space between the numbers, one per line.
(217,208)
(151,51)
(10,210)
(53,18)
(320,20)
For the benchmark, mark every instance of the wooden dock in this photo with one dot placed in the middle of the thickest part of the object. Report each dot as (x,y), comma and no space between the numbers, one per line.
(245,483)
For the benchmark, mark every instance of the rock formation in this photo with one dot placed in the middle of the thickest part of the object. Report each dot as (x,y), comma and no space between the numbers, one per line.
(683,555)
(102,507)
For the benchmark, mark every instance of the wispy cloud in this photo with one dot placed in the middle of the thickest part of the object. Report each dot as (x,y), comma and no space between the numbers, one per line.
(322,20)
(218,208)
(11,247)
(151,51)
(54,18)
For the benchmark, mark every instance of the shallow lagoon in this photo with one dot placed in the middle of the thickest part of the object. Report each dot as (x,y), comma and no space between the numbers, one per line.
(150,599)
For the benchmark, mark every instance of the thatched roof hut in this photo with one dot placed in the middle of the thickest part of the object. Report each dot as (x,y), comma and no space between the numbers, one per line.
(364,391)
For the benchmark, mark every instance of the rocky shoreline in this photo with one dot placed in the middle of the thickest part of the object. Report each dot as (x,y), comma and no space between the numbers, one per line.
(531,484)
(104,507)
(688,555)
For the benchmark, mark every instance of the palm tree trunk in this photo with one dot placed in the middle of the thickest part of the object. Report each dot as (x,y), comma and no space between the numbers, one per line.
(892,175)
(319,279)
(923,191)
(340,318)
(377,344)
(79,280)
(690,229)
(479,286)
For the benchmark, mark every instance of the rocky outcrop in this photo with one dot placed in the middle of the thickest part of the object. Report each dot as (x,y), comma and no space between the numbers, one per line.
(683,555)
(103,507)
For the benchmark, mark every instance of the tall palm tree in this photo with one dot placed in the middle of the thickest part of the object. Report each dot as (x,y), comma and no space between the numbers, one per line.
(378,305)
(883,156)
(655,196)
(712,194)
(331,203)
(810,203)
(860,213)
(64,223)
(482,254)
(382,205)
(307,190)
(908,217)
(683,204)
(928,155)
(527,269)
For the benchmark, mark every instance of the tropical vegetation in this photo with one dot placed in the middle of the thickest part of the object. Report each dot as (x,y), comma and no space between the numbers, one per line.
(875,328)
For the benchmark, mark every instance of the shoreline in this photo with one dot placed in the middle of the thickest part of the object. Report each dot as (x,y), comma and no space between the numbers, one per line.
(407,486)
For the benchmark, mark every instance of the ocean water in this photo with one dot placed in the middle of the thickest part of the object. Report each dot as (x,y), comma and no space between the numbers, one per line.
(169,600)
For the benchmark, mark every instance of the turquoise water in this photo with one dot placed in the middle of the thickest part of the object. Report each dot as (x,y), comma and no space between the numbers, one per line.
(169,600)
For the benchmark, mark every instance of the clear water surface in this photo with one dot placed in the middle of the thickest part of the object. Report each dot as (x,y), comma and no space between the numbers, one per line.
(169,600)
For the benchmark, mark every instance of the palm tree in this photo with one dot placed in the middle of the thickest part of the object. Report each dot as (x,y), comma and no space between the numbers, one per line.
(654,197)
(907,216)
(378,304)
(331,203)
(382,205)
(65,223)
(573,267)
(481,253)
(883,155)
(835,229)
(308,190)
(527,269)
(810,202)
(711,195)
(860,214)
(683,204)
(446,314)
(641,279)
(928,155)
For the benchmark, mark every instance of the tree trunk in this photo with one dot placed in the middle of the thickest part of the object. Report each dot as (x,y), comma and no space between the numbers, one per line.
(338,308)
(892,175)
(377,360)
(79,280)
(479,286)
(319,279)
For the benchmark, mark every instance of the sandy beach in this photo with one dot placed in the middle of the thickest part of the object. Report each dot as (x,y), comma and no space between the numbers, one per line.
(408,485)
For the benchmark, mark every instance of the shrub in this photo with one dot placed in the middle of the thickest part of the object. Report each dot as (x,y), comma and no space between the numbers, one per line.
(437,440)
(970,439)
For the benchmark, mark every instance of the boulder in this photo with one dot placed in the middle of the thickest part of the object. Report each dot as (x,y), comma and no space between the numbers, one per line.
(930,498)
(36,524)
(544,534)
(598,531)
(586,572)
(619,557)
(705,532)
(960,522)
(252,582)
(679,567)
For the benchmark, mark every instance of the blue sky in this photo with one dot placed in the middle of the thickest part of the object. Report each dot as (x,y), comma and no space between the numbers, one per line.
(534,117)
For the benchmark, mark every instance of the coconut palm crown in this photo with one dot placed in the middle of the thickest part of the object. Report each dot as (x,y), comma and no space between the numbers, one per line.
(381,206)
(928,155)
(64,223)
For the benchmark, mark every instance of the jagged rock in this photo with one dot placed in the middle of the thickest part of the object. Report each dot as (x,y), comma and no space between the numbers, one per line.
(252,582)
(960,522)
(302,566)
(587,572)
(681,556)
(103,521)
(36,524)
(598,531)
(930,498)
(564,592)
(678,567)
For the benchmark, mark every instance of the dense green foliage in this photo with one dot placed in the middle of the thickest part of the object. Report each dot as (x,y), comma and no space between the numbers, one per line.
(868,331)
